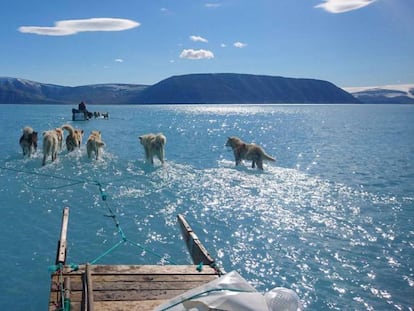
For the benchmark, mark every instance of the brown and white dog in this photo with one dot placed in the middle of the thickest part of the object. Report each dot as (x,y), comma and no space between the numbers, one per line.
(28,141)
(74,139)
(52,142)
(153,146)
(59,133)
(246,151)
(94,144)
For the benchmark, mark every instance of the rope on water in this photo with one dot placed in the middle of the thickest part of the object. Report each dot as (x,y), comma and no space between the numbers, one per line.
(124,239)
(106,252)
(44,175)
(104,197)
(72,181)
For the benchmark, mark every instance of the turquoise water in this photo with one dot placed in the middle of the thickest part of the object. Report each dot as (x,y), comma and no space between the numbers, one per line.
(332,218)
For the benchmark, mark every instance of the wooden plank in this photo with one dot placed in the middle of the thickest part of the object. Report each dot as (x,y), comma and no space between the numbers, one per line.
(148,305)
(90,287)
(141,269)
(142,286)
(150,269)
(130,285)
(134,295)
(198,252)
(88,294)
(148,278)
(62,245)
(129,295)
(141,305)
(66,285)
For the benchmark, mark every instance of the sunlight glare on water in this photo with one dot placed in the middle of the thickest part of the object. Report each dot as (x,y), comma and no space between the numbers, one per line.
(327,220)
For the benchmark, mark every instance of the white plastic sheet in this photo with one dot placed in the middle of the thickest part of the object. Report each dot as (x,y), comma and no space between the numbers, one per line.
(228,293)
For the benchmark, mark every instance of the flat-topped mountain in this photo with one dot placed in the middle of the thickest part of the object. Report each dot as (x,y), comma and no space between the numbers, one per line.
(229,88)
(220,88)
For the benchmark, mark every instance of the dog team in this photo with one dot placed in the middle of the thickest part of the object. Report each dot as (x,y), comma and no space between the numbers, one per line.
(154,145)
(53,141)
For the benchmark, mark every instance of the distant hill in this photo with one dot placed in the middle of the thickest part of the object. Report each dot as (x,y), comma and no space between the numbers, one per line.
(229,88)
(21,91)
(221,88)
(388,94)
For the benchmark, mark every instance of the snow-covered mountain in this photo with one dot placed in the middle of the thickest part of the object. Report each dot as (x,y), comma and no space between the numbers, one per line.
(22,91)
(390,94)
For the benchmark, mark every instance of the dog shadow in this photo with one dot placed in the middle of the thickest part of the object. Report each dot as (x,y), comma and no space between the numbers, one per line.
(249,170)
(149,168)
(245,167)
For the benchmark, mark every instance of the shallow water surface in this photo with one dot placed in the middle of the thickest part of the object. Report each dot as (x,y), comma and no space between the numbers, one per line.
(332,218)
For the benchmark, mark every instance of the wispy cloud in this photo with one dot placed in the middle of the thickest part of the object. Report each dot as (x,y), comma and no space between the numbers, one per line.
(196,54)
(341,6)
(118,60)
(239,44)
(212,5)
(74,26)
(166,11)
(198,39)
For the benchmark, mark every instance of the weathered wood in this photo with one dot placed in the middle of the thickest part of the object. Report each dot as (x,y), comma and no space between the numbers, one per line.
(140,269)
(141,285)
(131,284)
(198,252)
(141,305)
(142,278)
(66,284)
(127,287)
(66,299)
(128,295)
(61,252)
(89,288)
(149,269)
(148,305)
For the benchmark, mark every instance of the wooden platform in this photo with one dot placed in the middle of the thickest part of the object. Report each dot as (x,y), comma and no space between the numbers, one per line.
(123,287)
(126,287)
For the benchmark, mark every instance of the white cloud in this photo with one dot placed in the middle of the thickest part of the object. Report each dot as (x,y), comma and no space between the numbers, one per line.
(198,39)
(223,45)
(166,11)
(387,90)
(119,60)
(239,44)
(212,5)
(341,6)
(196,54)
(74,26)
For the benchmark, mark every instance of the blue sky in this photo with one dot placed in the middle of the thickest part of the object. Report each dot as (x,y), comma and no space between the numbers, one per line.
(78,42)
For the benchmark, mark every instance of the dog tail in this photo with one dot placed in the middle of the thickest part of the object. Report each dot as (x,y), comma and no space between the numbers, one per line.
(69,128)
(161,139)
(268,157)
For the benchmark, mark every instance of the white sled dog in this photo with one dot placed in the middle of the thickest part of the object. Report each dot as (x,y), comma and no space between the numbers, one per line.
(244,151)
(74,139)
(94,144)
(153,146)
(52,141)
(28,141)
